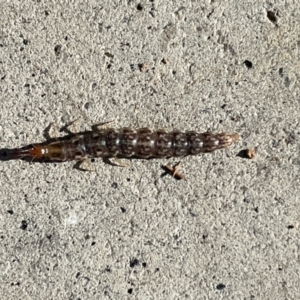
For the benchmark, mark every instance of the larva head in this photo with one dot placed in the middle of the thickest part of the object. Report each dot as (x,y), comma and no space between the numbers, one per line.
(227,140)
(212,142)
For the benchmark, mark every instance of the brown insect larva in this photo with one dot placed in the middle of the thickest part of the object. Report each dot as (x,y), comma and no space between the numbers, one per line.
(122,143)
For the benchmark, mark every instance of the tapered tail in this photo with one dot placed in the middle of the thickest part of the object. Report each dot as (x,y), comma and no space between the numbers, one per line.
(18,153)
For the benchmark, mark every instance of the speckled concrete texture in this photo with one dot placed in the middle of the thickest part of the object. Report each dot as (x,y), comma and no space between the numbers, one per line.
(231,229)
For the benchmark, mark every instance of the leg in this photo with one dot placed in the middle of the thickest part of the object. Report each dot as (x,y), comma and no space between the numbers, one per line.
(94,127)
(84,165)
(114,161)
(103,125)
(46,133)
(66,127)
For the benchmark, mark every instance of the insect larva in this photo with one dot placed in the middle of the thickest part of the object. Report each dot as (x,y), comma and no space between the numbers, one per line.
(123,143)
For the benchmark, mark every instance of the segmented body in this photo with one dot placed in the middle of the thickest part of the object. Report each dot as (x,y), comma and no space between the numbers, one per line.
(126,143)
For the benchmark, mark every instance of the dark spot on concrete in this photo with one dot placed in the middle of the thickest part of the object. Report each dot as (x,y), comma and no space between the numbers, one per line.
(134,262)
(272,16)
(109,55)
(248,64)
(24,225)
(57,50)
(221,286)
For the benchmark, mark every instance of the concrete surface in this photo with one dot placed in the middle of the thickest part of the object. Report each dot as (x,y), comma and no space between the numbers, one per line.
(231,230)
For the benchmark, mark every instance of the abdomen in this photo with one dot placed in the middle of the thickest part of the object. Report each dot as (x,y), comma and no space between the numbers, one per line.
(144,143)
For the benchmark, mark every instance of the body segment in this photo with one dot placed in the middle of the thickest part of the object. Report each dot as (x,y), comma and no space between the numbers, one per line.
(124,143)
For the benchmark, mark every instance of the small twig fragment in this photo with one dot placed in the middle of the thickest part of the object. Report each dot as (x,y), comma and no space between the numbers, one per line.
(174,170)
(250,153)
